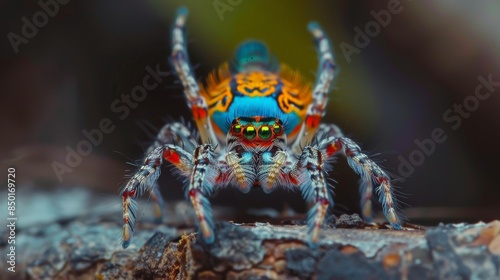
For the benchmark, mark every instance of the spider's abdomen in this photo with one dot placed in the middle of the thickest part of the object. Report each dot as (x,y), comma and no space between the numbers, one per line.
(256,90)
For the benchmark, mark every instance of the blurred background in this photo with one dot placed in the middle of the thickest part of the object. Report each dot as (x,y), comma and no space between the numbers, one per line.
(390,92)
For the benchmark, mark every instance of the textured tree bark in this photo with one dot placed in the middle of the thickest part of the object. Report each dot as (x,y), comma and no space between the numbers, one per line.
(263,251)
(89,247)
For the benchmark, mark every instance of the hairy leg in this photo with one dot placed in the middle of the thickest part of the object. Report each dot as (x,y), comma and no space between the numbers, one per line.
(370,174)
(201,184)
(326,131)
(180,60)
(172,133)
(307,173)
(324,78)
(144,180)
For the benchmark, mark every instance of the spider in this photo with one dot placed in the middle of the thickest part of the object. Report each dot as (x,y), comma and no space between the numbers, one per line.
(259,125)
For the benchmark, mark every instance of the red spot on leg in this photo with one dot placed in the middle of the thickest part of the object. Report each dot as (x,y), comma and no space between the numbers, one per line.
(199,112)
(127,194)
(333,148)
(322,201)
(193,192)
(131,193)
(380,180)
(171,156)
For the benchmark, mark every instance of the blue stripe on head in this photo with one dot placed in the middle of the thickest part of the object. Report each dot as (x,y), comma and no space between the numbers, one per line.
(244,106)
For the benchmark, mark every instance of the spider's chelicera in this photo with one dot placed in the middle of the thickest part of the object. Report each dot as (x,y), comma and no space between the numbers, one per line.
(259,126)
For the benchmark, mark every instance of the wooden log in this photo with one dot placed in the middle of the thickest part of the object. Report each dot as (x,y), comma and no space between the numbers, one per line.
(264,251)
(89,247)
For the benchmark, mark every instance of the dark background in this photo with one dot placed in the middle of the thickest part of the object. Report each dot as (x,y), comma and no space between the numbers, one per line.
(393,92)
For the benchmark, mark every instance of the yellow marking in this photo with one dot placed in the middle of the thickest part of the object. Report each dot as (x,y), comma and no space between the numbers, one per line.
(387,193)
(254,84)
(126,233)
(367,209)
(392,216)
(205,229)
(218,88)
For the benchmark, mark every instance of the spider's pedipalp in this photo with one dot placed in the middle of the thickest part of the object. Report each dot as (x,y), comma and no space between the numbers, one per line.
(271,177)
(238,171)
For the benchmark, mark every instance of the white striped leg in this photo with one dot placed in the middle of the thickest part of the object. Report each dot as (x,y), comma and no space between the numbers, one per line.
(175,133)
(172,133)
(324,78)
(370,174)
(201,184)
(144,180)
(308,174)
(328,130)
(180,60)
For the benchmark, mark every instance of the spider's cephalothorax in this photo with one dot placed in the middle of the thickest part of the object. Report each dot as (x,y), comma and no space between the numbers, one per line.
(256,122)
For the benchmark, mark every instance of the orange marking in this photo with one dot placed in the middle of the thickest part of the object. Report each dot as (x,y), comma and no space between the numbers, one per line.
(205,228)
(295,95)
(126,233)
(256,84)
(294,132)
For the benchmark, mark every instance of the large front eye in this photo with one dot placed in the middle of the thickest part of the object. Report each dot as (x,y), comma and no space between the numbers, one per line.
(265,132)
(237,128)
(249,133)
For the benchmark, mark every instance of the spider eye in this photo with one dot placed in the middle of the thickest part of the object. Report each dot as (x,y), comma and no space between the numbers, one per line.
(249,133)
(237,128)
(265,132)
(277,129)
